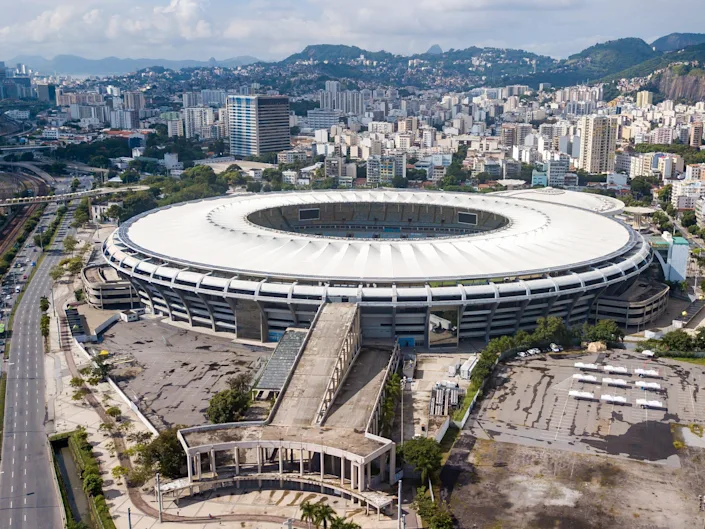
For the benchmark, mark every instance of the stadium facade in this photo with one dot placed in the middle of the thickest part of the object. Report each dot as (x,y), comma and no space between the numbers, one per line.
(433,268)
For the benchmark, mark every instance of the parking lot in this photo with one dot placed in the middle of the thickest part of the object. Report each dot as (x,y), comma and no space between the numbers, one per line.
(528,402)
(171,373)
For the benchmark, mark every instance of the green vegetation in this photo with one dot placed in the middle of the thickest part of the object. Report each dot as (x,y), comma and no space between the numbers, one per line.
(677,344)
(231,404)
(611,56)
(44,238)
(320,514)
(3,390)
(43,304)
(31,223)
(690,154)
(163,454)
(424,454)
(44,326)
(96,151)
(642,69)
(87,463)
(434,516)
(392,395)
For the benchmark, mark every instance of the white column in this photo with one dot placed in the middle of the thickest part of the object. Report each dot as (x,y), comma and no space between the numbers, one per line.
(281,461)
(237,461)
(368,475)
(392,464)
(361,477)
(198,465)
(212,462)
(301,461)
(323,465)
(342,471)
(259,460)
(353,476)
(189,460)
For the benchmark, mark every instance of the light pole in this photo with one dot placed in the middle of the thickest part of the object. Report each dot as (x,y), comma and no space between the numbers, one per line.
(403,385)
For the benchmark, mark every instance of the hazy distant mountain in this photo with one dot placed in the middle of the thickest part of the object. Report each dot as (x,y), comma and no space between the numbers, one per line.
(74,65)
(434,50)
(677,41)
(336,52)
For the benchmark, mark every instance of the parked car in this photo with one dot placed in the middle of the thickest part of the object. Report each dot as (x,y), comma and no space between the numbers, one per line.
(522,354)
(556,348)
(534,351)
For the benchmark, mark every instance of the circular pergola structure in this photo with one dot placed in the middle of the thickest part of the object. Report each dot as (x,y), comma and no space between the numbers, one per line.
(488,264)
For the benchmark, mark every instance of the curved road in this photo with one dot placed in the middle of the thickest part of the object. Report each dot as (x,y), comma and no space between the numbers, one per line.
(28,496)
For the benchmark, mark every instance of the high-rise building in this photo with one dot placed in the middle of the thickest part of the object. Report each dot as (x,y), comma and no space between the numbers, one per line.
(124,119)
(644,99)
(696,134)
(383,169)
(332,86)
(175,127)
(215,98)
(196,119)
(46,92)
(134,100)
(258,124)
(598,138)
(3,74)
(191,99)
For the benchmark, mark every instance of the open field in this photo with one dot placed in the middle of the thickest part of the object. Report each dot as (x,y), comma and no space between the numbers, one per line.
(493,485)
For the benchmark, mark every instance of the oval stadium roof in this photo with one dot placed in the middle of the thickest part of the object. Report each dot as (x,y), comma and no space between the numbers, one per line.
(215,234)
(591,201)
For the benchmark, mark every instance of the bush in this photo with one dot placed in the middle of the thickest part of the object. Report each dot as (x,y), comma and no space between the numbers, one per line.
(93,484)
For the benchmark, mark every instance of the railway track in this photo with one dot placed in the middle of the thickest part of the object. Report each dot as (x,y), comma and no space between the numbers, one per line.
(11,232)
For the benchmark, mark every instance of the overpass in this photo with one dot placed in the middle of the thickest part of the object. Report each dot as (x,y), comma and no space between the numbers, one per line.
(41,173)
(65,197)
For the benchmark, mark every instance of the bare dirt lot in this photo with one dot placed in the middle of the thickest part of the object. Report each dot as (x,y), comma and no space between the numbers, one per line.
(495,485)
(172,373)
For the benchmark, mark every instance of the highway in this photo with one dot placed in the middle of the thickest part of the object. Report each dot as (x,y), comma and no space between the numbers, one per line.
(28,495)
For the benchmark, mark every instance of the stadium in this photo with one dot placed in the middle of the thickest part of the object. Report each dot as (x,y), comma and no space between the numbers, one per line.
(434,269)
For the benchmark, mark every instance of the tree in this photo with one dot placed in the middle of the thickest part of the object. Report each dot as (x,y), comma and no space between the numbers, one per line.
(75,184)
(678,340)
(57,273)
(227,406)
(399,182)
(342,523)
(70,243)
(324,514)
(606,331)
(76,382)
(119,472)
(43,304)
(688,219)
(93,484)
(165,452)
(551,329)
(27,157)
(424,454)
(113,412)
(308,512)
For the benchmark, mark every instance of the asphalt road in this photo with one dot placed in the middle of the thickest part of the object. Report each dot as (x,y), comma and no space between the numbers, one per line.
(28,495)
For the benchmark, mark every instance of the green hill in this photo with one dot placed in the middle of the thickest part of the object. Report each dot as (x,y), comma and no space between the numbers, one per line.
(691,53)
(678,41)
(336,53)
(610,57)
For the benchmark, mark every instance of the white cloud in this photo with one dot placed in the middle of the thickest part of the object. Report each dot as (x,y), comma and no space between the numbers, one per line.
(272,29)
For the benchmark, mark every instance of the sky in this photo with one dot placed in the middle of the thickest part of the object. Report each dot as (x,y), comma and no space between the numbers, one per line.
(274,29)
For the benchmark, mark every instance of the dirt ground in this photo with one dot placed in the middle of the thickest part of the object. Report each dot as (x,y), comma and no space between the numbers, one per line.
(493,485)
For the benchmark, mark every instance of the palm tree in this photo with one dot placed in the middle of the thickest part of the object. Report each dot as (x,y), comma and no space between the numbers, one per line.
(324,514)
(340,523)
(309,512)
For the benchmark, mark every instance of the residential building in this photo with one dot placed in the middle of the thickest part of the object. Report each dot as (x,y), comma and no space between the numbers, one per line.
(287,157)
(191,99)
(644,99)
(696,134)
(320,118)
(195,120)
(47,93)
(213,98)
(685,193)
(258,124)
(124,119)
(134,100)
(695,171)
(175,127)
(598,136)
(382,169)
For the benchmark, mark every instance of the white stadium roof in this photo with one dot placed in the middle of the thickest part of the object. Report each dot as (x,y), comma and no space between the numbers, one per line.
(591,201)
(215,234)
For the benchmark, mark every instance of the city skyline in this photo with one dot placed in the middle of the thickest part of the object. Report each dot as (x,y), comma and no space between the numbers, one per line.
(274,29)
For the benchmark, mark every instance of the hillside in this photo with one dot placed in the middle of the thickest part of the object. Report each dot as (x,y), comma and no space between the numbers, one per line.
(691,53)
(336,53)
(678,41)
(611,56)
(681,82)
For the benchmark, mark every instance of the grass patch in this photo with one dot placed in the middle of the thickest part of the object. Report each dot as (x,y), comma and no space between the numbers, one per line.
(698,361)
(448,441)
(472,390)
